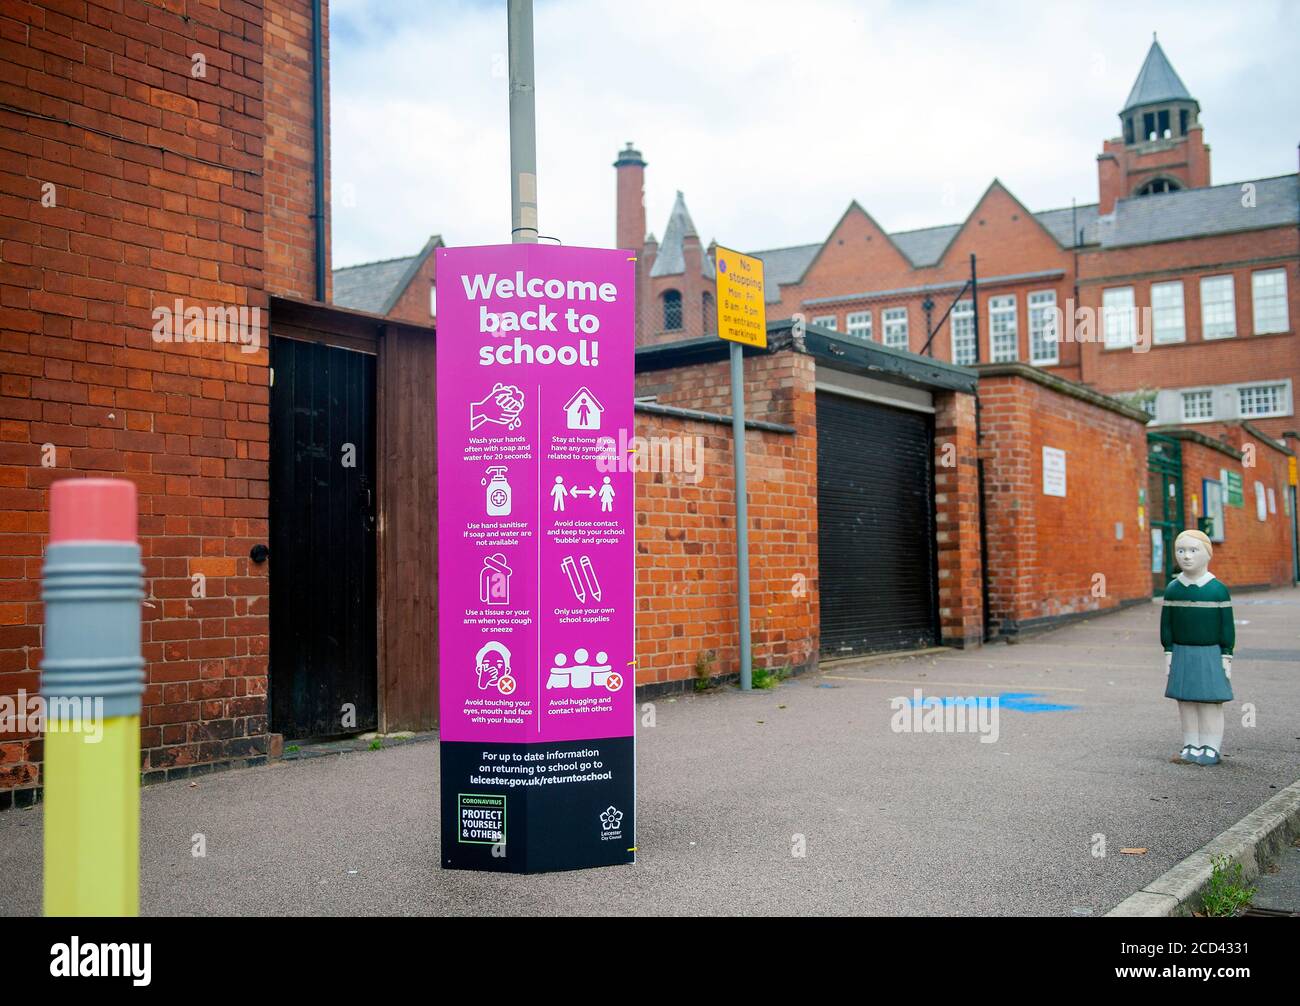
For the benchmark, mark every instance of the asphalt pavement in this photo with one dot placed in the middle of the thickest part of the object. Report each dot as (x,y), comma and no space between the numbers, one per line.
(732,786)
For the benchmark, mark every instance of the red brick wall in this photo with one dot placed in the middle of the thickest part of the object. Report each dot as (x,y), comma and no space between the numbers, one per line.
(774,384)
(686,532)
(957,521)
(780,388)
(291,235)
(158,185)
(1254,553)
(1044,551)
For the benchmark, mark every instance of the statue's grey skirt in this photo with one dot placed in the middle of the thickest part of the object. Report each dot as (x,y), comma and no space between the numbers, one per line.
(1196,675)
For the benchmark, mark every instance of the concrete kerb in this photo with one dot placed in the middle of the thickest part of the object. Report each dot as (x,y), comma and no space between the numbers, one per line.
(1254,841)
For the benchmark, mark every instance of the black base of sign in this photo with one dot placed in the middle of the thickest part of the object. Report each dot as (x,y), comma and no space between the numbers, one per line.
(533,808)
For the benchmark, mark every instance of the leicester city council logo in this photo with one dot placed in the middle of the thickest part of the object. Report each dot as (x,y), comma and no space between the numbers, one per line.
(610,819)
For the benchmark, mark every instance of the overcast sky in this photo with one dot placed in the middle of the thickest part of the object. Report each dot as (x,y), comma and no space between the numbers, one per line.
(772,116)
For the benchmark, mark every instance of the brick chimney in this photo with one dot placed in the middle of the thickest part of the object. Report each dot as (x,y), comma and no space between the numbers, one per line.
(1110,177)
(630,222)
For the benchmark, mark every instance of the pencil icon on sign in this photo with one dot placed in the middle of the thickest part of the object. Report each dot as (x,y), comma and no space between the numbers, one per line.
(589,574)
(584,582)
(575,581)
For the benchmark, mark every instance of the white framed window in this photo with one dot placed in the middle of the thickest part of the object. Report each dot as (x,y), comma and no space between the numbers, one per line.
(1044,346)
(826,321)
(1259,400)
(433,300)
(858,324)
(1118,316)
(1003,337)
(963,333)
(1218,308)
(1268,299)
(1198,405)
(893,324)
(1167,320)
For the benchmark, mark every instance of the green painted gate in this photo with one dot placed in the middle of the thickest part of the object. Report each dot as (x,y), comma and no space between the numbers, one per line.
(1165,505)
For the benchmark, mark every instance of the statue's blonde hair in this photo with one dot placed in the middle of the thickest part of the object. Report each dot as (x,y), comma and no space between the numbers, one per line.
(1200,536)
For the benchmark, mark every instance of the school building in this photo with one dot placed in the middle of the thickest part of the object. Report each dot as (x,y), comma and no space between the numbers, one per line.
(1136,355)
(171,316)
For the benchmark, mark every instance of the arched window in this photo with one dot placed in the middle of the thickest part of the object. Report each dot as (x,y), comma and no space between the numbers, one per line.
(672,311)
(710,317)
(1158,185)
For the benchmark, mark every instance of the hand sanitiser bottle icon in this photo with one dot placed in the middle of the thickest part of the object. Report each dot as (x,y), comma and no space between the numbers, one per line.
(498,492)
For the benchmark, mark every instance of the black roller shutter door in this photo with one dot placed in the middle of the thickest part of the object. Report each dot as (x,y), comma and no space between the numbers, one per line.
(875,527)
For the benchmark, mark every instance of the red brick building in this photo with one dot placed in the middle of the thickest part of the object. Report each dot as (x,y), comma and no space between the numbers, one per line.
(1040,503)
(1175,296)
(1178,294)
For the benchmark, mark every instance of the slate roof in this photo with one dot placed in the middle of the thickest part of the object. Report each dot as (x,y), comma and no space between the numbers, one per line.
(784,265)
(1189,213)
(1157,81)
(1137,220)
(923,247)
(375,286)
(670,259)
(1063,222)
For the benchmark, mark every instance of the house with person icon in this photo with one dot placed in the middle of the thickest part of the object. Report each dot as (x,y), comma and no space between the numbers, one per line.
(583,411)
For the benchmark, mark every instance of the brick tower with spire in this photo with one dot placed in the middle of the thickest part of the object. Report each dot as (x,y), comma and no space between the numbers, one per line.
(1161,147)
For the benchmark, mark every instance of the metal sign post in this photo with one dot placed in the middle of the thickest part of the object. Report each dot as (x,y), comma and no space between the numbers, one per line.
(523,124)
(742,320)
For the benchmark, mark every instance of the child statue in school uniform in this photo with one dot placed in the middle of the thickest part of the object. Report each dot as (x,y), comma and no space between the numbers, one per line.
(1196,630)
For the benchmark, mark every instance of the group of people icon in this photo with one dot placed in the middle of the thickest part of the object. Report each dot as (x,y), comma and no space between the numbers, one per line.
(492,670)
(580,674)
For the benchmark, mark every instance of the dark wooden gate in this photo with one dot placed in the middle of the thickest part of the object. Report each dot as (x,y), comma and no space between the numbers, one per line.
(322,514)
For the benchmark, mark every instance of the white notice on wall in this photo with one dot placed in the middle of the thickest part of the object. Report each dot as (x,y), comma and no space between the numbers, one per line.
(1261,504)
(1053,472)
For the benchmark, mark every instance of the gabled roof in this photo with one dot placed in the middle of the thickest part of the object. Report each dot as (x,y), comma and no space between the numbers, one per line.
(376,286)
(994,185)
(924,247)
(671,259)
(1186,213)
(1156,81)
(790,265)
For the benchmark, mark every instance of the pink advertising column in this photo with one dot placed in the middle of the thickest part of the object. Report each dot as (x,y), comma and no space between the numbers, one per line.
(535,557)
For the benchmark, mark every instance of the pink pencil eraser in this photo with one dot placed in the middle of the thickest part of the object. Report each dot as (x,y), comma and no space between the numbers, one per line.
(92,510)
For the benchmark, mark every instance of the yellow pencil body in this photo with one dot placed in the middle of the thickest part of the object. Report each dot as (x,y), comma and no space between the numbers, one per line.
(92,818)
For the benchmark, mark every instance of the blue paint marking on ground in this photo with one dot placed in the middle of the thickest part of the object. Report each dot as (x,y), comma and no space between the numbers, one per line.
(1022,702)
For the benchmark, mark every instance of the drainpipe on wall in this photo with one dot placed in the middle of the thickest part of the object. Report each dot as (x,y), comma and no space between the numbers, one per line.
(979,437)
(318,135)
